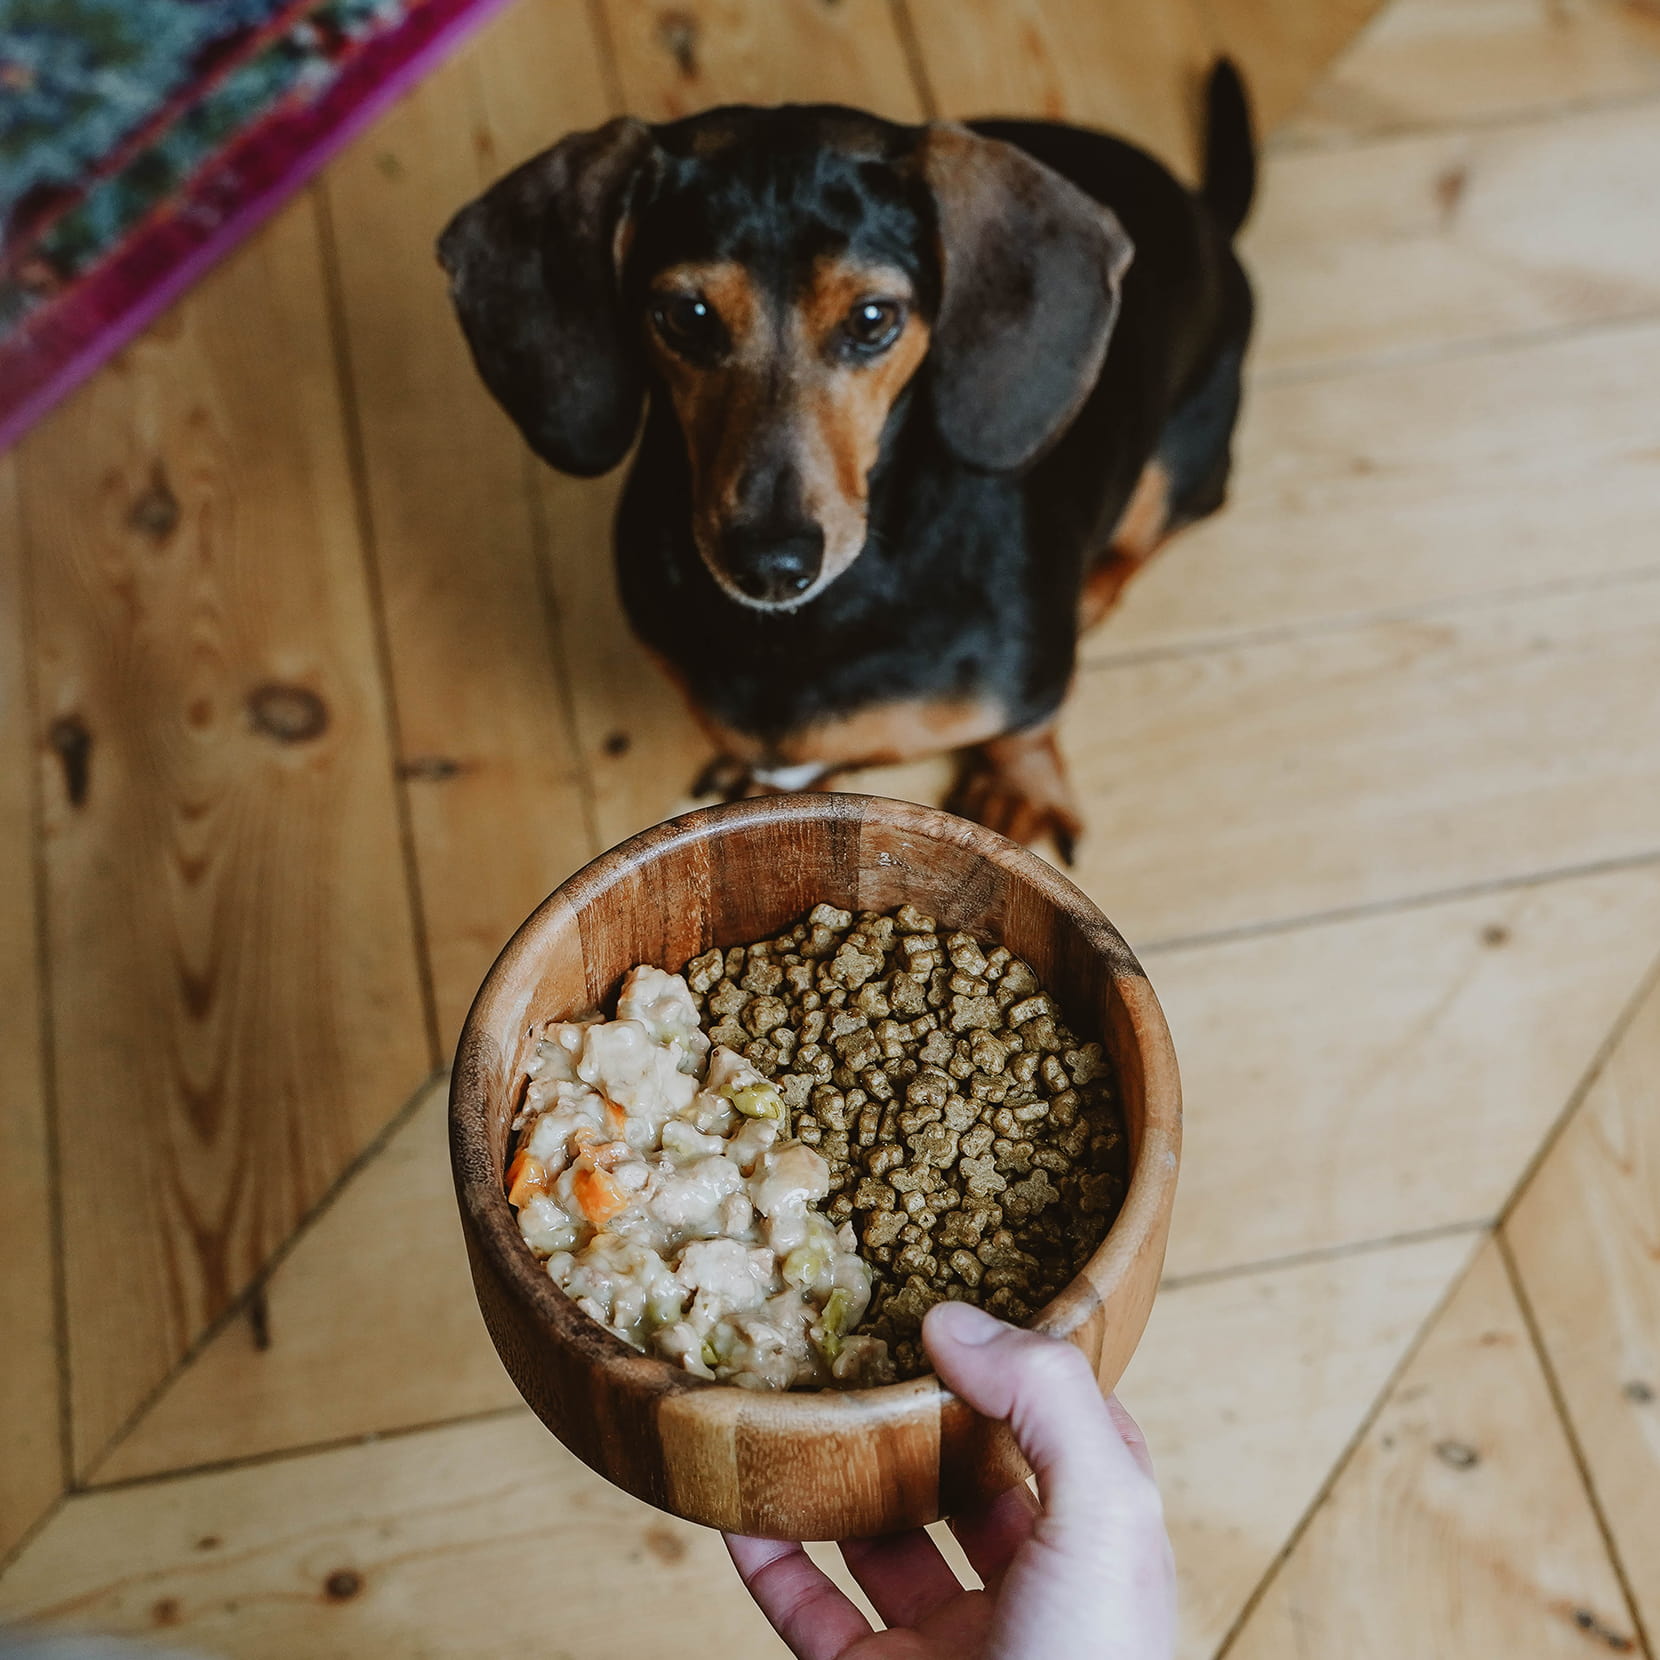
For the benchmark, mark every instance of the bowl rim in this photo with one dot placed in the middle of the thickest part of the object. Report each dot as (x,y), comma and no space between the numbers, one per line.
(482,1194)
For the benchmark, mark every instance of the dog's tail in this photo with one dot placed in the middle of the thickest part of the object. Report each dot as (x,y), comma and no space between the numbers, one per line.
(1230,147)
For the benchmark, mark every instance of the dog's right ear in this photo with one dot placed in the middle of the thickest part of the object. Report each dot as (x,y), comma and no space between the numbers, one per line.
(533,273)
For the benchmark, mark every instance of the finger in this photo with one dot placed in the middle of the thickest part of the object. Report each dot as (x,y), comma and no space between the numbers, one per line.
(1048,1394)
(992,1534)
(1129,1432)
(812,1614)
(904,1575)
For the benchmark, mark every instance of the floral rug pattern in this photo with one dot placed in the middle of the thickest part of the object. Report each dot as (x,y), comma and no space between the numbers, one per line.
(140,138)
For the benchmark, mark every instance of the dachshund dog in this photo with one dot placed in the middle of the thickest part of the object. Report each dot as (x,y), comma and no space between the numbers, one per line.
(918,402)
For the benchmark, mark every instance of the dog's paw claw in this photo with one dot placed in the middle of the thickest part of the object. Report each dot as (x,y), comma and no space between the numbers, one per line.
(1017,786)
(725,777)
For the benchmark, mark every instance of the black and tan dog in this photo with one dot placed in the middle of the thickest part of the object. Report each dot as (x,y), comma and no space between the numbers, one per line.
(918,401)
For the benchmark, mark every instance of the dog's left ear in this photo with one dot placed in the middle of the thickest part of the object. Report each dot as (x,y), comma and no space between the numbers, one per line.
(533,273)
(1031,274)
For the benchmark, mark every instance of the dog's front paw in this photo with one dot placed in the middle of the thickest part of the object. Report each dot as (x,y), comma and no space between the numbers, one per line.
(726,777)
(1018,786)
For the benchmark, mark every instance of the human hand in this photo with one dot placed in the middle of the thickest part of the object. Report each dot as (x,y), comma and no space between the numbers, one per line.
(1083,1571)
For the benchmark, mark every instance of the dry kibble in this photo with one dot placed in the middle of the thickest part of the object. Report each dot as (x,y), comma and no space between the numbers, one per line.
(935,1144)
(877,1083)
(727,999)
(795,1088)
(882,1228)
(874,1194)
(980,1177)
(764,1013)
(872,1001)
(880,1160)
(967,1131)
(973,1013)
(1042,1033)
(729,1034)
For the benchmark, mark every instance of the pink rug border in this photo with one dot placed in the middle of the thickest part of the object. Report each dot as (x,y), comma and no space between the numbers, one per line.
(464,16)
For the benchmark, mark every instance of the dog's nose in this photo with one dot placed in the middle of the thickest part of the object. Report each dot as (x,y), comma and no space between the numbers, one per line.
(775,568)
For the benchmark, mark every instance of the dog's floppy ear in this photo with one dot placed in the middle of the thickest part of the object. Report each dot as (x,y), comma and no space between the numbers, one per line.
(1031,269)
(533,273)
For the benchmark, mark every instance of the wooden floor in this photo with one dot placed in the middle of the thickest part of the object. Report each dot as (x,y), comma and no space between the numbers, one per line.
(311,685)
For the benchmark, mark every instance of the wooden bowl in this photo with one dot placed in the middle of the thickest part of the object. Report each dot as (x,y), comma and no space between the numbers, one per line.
(800,1465)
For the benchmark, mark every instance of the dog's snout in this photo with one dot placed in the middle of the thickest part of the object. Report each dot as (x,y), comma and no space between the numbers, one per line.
(774,564)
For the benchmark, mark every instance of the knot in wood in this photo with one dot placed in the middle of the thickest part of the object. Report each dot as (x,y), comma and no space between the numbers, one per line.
(678,32)
(156,512)
(72,744)
(290,714)
(1457,1454)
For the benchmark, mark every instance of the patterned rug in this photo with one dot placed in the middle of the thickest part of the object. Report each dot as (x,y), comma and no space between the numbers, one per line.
(140,139)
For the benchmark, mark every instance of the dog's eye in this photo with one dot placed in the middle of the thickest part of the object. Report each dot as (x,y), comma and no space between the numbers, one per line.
(686,321)
(874,325)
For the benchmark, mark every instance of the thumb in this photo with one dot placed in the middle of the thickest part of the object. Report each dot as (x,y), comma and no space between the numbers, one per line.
(1047,1392)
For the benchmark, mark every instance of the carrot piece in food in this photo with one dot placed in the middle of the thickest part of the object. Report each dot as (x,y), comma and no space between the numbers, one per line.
(599,1194)
(526,1177)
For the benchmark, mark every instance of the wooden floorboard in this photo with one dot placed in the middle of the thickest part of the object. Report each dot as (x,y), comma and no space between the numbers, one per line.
(1388,1074)
(497,797)
(375,1297)
(461,1542)
(1365,765)
(1460,1527)
(1249,1389)
(31,1444)
(1413,486)
(672,61)
(1283,45)
(1585,1239)
(1438,63)
(235,1001)
(1434,241)
(1131,69)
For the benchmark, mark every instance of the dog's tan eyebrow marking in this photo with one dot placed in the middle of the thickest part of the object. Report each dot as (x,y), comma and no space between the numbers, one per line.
(835,286)
(725,284)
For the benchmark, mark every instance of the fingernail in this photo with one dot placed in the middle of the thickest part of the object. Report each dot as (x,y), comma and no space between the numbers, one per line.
(964,1323)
